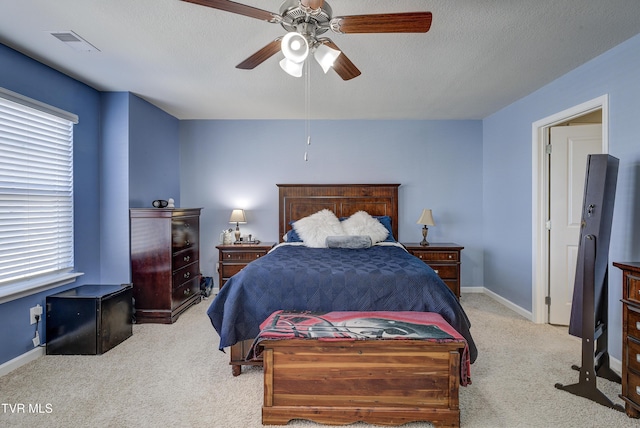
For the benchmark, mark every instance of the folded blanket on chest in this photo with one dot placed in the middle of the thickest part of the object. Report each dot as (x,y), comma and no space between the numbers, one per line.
(349,241)
(361,325)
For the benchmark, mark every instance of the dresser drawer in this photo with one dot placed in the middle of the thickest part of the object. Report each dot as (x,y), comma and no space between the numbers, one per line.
(633,323)
(436,256)
(242,256)
(185,274)
(184,292)
(633,288)
(445,271)
(184,258)
(228,270)
(452,284)
(633,353)
(633,387)
(184,233)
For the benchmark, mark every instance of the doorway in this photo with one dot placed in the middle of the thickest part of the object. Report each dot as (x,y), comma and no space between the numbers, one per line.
(571,143)
(588,112)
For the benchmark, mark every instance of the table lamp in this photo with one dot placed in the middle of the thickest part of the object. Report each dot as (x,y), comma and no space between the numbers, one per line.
(237,217)
(425,219)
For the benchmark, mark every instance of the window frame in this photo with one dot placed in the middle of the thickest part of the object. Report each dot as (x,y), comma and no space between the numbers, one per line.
(38,282)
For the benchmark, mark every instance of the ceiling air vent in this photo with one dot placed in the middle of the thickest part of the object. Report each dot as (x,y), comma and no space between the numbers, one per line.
(73,40)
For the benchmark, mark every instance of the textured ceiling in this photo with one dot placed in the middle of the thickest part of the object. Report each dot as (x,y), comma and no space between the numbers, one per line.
(479,56)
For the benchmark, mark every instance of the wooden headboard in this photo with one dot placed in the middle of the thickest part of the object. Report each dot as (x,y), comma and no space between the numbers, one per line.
(300,200)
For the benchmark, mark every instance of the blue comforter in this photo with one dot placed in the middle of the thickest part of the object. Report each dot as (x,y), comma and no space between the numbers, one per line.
(298,278)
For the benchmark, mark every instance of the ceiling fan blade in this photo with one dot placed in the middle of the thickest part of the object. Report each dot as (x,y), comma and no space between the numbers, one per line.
(342,65)
(409,22)
(240,9)
(261,56)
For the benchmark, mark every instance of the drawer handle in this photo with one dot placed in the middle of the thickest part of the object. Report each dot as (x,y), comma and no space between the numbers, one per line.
(420,256)
(187,291)
(257,255)
(187,275)
(228,256)
(638,390)
(450,256)
(638,358)
(187,243)
(637,325)
(186,258)
(435,270)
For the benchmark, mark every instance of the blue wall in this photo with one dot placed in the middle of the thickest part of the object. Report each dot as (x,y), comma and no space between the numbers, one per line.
(139,160)
(113,128)
(30,78)
(154,155)
(507,168)
(231,164)
(114,186)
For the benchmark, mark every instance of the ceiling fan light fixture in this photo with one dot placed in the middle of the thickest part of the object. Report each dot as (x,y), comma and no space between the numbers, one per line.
(295,47)
(326,56)
(292,68)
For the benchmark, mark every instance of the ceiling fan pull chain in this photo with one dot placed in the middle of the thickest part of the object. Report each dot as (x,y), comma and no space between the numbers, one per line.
(307,100)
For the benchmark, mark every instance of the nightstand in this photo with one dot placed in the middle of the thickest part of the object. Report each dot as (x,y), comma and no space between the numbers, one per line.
(232,258)
(444,259)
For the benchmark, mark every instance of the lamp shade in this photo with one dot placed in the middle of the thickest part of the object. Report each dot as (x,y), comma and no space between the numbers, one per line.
(237,216)
(326,56)
(292,68)
(426,218)
(295,47)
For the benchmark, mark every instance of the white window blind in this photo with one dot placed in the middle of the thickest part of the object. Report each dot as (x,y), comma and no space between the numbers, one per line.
(36,190)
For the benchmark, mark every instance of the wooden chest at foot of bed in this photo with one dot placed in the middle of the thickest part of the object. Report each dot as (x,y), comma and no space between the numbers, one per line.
(386,382)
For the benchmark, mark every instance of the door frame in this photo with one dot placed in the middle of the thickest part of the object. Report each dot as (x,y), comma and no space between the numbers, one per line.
(540,196)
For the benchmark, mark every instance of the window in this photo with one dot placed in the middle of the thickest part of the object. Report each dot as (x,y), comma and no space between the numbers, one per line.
(36,190)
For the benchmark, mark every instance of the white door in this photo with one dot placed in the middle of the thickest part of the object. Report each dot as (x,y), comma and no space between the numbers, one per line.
(570,146)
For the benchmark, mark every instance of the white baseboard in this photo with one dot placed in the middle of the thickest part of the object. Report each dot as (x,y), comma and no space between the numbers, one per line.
(614,364)
(472,290)
(517,309)
(21,360)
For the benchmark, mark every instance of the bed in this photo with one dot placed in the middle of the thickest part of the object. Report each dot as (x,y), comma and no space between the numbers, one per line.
(383,277)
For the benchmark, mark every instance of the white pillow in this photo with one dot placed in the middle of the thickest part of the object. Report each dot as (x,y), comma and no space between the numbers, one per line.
(314,229)
(361,223)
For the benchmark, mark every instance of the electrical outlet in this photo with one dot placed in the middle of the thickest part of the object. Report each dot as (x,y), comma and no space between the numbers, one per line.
(36,310)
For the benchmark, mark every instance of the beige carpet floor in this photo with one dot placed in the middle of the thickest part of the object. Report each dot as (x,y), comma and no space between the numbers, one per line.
(174,375)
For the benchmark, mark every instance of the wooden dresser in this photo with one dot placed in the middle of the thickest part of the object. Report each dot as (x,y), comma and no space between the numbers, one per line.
(444,259)
(165,267)
(630,337)
(232,258)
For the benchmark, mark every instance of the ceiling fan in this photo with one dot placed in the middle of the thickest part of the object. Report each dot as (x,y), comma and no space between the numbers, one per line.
(306,20)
